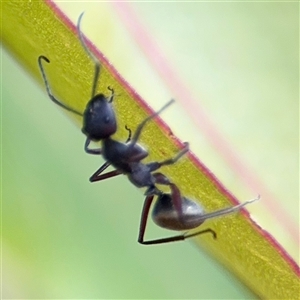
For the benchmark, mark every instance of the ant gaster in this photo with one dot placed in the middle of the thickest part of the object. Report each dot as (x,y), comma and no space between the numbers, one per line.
(165,215)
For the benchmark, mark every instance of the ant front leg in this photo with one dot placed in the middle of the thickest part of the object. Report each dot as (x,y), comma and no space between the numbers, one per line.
(98,151)
(88,150)
(143,224)
(96,176)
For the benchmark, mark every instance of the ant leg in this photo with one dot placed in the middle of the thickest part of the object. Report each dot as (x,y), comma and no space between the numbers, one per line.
(162,179)
(97,177)
(89,150)
(156,165)
(177,238)
(51,96)
(214,234)
(143,223)
(143,123)
(175,192)
(91,55)
(98,151)
(94,177)
(144,217)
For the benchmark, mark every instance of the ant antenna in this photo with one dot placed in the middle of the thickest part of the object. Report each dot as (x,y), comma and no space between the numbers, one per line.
(51,96)
(90,54)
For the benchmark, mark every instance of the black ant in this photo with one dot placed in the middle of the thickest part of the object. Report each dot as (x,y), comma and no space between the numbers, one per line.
(99,124)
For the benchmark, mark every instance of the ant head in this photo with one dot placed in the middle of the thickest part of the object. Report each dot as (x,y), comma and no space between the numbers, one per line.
(99,120)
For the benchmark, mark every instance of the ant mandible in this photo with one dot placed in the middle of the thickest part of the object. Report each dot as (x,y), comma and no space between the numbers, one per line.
(99,124)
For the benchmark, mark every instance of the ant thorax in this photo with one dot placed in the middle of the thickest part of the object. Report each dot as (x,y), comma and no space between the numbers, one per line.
(120,155)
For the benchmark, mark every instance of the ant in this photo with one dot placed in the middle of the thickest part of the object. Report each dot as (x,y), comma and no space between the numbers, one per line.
(165,215)
(99,124)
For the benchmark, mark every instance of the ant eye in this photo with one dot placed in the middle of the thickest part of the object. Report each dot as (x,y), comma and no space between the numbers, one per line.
(106,119)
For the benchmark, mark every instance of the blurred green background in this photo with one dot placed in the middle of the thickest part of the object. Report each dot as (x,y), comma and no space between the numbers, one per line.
(63,237)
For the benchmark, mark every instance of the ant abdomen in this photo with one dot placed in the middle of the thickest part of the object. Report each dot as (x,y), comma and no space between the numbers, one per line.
(165,215)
